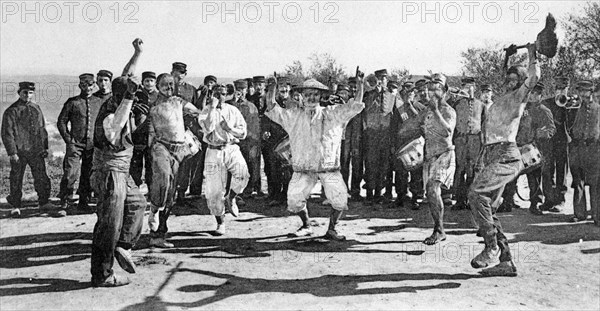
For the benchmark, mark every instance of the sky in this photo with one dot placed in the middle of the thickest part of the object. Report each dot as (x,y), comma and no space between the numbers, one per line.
(246,38)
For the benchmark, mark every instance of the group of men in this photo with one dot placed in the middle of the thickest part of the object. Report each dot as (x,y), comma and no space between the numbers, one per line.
(209,141)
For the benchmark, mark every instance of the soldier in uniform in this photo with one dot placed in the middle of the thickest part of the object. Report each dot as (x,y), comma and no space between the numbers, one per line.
(142,157)
(354,132)
(500,163)
(536,127)
(438,122)
(250,146)
(394,97)
(584,150)
(406,129)
(376,122)
(467,139)
(26,141)
(80,113)
(187,92)
(556,162)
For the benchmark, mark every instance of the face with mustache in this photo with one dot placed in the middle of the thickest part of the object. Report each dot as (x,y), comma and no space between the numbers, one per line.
(166,86)
(311,98)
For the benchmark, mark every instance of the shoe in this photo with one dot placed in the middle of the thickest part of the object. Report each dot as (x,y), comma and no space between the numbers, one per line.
(303,231)
(334,236)
(260,195)
(414,206)
(504,268)
(15,213)
(577,219)
(240,201)
(505,208)
(160,243)
(124,259)
(63,205)
(326,202)
(220,230)
(459,206)
(153,220)
(59,213)
(231,207)
(111,281)
(535,210)
(487,257)
(557,208)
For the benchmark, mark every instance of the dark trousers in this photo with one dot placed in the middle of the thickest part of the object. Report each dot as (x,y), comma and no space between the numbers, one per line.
(278,175)
(467,151)
(536,195)
(409,181)
(498,165)
(141,161)
(351,156)
(585,169)
(377,155)
(41,182)
(77,165)
(251,153)
(120,212)
(191,174)
(556,162)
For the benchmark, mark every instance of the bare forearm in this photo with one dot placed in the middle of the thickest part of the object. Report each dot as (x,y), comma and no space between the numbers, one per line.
(131,66)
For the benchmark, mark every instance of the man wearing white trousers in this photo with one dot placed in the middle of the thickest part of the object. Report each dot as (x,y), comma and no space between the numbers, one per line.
(223,126)
(315,141)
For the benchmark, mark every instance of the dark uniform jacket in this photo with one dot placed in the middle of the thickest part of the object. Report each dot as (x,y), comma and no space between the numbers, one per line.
(250,114)
(469,114)
(536,117)
(81,113)
(378,109)
(586,126)
(23,128)
(562,118)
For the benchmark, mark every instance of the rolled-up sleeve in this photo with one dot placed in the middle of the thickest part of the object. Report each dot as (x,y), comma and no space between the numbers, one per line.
(281,116)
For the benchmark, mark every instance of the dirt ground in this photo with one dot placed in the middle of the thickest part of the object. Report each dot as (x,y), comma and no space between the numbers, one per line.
(44,263)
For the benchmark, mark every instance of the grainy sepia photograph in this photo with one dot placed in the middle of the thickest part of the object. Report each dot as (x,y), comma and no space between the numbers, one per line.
(300,155)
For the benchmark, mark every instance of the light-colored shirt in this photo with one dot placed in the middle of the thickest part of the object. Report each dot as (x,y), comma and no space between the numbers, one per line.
(210,122)
(315,135)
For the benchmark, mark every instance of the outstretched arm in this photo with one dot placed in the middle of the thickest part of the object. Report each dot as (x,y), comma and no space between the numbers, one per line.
(129,69)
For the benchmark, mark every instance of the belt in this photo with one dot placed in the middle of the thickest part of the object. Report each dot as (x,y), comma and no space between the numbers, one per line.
(220,147)
(172,146)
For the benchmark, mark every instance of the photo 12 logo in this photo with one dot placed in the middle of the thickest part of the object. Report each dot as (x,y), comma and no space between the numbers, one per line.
(470,11)
(253,12)
(69,11)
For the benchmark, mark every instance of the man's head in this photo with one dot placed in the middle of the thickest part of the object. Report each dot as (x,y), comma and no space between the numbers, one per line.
(220,92)
(250,86)
(179,72)
(241,88)
(283,92)
(535,96)
(515,76)
(561,85)
(312,90)
(408,91)
(296,94)
(486,93)
(352,85)
(26,91)
(343,91)
(468,85)
(437,87)
(149,80)
(210,81)
(86,84)
(584,90)
(421,90)
(393,87)
(119,88)
(166,84)
(382,77)
(259,84)
(103,78)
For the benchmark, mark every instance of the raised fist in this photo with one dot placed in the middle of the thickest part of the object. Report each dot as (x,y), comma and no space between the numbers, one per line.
(138,45)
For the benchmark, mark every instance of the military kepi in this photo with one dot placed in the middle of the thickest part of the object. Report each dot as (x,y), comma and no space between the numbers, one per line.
(148,74)
(86,78)
(105,73)
(26,85)
(381,73)
(180,67)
